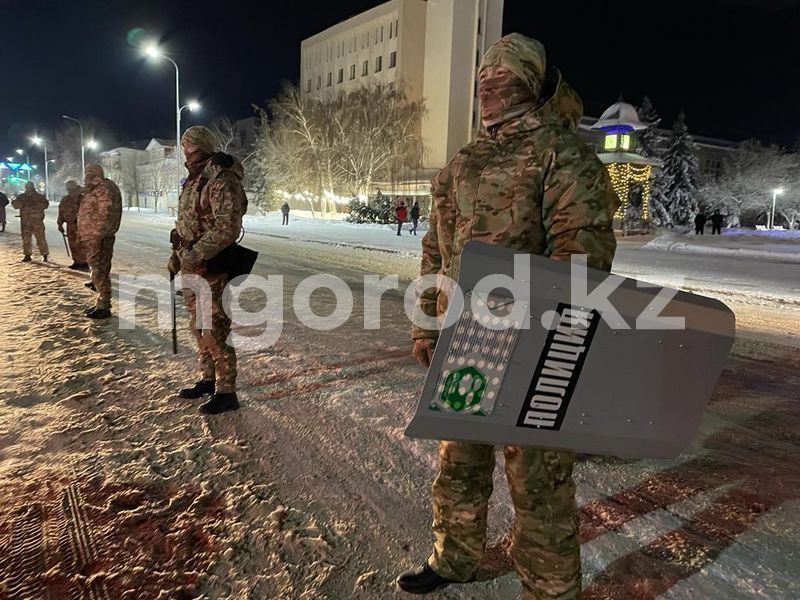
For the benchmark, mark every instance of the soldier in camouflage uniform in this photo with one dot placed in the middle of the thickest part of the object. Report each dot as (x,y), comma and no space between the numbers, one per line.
(210,211)
(68,215)
(99,217)
(528,183)
(31,206)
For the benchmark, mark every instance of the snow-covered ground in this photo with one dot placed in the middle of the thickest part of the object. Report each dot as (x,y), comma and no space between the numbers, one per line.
(111,487)
(767,245)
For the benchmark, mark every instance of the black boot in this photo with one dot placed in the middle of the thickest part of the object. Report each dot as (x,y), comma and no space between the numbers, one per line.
(220,403)
(74,266)
(90,285)
(423,581)
(99,313)
(198,390)
(44,258)
(27,258)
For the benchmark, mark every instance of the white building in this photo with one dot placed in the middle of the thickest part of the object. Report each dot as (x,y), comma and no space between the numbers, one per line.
(432,46)
(145,172)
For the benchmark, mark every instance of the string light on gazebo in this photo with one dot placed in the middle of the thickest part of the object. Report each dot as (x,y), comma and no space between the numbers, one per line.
(620,122)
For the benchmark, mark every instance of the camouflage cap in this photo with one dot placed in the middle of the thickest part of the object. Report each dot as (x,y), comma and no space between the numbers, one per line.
(523,56)
(201,137)
(29,187)
(71,185)
(94,170)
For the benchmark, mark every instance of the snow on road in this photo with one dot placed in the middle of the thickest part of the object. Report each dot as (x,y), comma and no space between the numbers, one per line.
(111,487)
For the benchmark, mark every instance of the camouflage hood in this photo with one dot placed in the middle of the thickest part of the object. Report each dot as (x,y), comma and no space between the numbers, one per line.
(221,162)
(560,106)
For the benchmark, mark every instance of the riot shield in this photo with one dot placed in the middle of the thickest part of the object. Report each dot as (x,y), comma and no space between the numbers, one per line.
(535,357)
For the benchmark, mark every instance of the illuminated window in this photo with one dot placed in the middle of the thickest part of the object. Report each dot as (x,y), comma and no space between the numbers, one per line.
(611,142)
(625,142)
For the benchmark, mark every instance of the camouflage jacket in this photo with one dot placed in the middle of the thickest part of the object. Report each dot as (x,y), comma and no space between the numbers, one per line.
(100,210)
(529,184)
(211,209)
(31,207)
(68,209)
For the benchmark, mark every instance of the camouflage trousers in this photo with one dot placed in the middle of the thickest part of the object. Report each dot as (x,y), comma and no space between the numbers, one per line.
(545,546)
(28,230)
(75,247)
(217,358)
(99,252)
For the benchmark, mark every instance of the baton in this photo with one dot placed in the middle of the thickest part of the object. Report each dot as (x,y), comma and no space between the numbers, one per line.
(174,323)
(66,245)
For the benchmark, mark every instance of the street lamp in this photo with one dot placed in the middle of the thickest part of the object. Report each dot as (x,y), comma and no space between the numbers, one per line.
(43,143)
(775,193)
(83,148)
(154,52)
(20,151)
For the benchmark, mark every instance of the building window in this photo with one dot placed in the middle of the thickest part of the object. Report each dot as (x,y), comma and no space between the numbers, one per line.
(308,87)
(381,33)
(330,79)
(390,30)
(393,60)
(352,72)
(379,64)
(365,68)
(625,142)
(319,81)
(480,23)
(341,75)
(396,27)
(611,142)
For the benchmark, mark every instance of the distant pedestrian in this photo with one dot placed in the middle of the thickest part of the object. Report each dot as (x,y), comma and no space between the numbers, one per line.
(31,206)
(3,204)
(402,214)
(414,217)
(716,222)
(285,210)
(700,223)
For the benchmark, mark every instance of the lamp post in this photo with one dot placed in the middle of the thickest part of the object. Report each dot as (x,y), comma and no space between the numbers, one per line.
(83,148)
(20,151)
(43,143)
(154,51)
(775,193)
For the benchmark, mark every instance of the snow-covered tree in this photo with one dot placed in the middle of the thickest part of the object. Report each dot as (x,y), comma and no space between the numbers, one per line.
(744,191)
(651,145)
(650,142)
(340,146)
(679,172)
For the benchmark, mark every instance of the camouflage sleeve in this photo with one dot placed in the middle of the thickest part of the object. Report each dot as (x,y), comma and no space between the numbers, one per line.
(61,220)
(224,196)
(102,218)
(432,254)
(16,203)
(44,203)
(579,205)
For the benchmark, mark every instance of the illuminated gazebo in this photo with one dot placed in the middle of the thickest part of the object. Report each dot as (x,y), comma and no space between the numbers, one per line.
(620,122)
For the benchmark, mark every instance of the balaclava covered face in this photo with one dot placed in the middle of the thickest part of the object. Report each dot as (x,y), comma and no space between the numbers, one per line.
(203,139)
(29,189)
(511,78)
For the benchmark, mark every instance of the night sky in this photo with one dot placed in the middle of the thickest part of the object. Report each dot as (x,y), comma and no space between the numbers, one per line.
(732,65)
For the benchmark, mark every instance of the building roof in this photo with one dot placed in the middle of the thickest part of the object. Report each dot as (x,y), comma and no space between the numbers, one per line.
(620,115)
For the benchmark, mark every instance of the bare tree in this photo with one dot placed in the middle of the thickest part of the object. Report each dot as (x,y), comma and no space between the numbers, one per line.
(315,149)
(750,175)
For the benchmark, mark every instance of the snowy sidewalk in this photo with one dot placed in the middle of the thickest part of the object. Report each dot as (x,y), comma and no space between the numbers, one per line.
(776,246)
